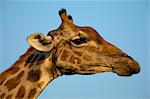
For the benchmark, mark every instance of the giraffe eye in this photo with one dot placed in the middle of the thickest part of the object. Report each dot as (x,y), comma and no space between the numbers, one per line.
(79,40)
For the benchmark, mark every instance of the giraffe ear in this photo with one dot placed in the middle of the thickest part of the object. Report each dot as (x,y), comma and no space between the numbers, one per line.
(40,42)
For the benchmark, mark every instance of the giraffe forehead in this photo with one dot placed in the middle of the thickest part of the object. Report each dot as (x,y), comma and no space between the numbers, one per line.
(66,32)
(91,33)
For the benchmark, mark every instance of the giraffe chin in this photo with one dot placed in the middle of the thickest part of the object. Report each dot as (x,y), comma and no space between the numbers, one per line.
(121,69)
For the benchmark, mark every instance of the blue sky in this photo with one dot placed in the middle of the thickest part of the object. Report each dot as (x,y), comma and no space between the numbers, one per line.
(122,23)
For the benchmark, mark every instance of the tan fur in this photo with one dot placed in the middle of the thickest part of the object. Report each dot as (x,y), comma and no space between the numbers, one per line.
(69,50)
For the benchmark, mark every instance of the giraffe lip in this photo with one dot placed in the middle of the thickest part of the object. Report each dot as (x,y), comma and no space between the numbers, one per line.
(122,68)
(98,68)
(126,69)
(122,64)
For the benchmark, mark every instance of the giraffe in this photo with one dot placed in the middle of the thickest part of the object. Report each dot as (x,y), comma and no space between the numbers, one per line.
(68,50)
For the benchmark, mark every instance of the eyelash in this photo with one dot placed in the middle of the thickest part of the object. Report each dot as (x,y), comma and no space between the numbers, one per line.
(79,41)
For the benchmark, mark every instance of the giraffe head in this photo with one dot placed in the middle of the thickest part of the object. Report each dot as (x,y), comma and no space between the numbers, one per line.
(81,50)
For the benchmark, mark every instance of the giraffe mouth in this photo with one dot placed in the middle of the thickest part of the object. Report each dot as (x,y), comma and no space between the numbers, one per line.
(121,69)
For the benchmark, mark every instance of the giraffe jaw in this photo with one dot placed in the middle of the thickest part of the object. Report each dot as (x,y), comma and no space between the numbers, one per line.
(122,65)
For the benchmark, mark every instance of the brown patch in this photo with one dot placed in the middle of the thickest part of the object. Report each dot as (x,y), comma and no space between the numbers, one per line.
(8,72)
(39,62)
(21,92)
(15,70)
(26,64)
(87,58)
(64,55)
(34,76)
(75,60)
(98,41)
(53,72)
(30,65)
(32,93)
(2,96)
(9,97)
(1,82)
(37,37)
(3,75)
(12,83)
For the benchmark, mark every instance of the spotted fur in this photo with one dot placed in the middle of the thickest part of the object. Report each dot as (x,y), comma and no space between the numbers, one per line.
(68,50)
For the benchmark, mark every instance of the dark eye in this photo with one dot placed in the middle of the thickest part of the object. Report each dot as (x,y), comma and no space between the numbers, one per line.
(79,41)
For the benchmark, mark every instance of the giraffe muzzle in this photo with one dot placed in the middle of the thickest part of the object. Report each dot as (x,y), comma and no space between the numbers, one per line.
(125,65)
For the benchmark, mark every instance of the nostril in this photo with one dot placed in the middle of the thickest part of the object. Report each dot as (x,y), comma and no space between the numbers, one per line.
(125,55)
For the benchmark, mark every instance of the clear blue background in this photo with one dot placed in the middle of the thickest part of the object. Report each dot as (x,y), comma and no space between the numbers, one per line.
(123,23)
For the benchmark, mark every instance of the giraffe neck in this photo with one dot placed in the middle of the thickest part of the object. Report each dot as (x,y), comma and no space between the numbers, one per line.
(28,76)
